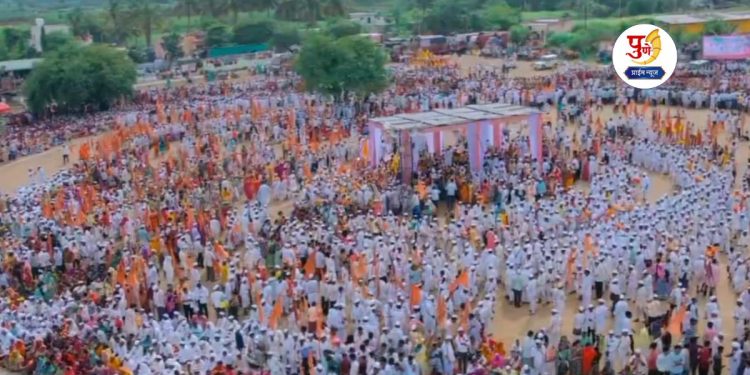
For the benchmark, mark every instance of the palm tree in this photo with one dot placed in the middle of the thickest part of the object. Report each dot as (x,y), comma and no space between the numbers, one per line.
(75,19)
(332,8)
(267,5)
(187,7)
(114,8)
(215,8)
(719,27)
(423,5)
(146,15)
(236,6)
(288,10)
(311,10)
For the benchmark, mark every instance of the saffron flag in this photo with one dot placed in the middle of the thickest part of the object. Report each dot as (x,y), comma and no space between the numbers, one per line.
(278,310)
(416,295)
(461,280)
(442,311)
(310,265)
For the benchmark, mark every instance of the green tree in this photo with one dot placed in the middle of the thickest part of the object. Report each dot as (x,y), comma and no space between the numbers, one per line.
(332,8)
(217,35)
(77,77)
(188,7)
(637,7)
(423,5)
(116,13)
(519,34)
(146,15)
(288,10)
(14,38)
(446,17)
(400,17)
(75,20)
(56,41)
(309,11)
(339,28)
(253,32)
(172,44)
(501,16)
(141,54)
(16,43)
(4,53)
(285,37)
(214,8)
(237,6)
(336,67)
(83,23)
(718,27)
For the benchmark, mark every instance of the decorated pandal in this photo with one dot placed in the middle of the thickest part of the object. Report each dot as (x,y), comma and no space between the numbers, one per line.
(425,58)
(416,133)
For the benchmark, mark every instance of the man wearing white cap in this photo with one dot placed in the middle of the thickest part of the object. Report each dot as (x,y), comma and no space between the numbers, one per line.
(637,363)
(555,328)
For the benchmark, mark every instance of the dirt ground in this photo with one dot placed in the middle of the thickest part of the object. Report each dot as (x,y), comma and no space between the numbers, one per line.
(510,323)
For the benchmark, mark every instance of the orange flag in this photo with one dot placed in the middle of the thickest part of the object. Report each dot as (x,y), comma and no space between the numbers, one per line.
(442,311)
(675,322)
(588,243)
(220,252)
(461,280)
(132,279)
(465,317)
(47,209)
(190,219)
(416,295)
(278,310)
(121,277)
(359,268)
(310,265)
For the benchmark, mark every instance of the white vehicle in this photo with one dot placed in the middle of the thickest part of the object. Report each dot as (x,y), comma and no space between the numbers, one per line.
(546,62)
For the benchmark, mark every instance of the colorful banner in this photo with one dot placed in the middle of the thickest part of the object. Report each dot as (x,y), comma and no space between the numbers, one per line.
(535,137)
(406,157)
(437,140)
(487,137)
(726,47)
(474,138)
(376,145)
(498,133)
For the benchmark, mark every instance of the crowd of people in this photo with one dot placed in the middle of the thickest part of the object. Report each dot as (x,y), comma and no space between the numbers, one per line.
(234,229)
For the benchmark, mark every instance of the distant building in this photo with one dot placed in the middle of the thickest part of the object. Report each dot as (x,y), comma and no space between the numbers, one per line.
(541,28)
(12,73)
(371,22)
(696,23)
(36,32)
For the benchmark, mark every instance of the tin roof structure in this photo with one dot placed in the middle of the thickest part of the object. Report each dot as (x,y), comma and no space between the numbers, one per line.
(18,65)
(448,117)
(682,19)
